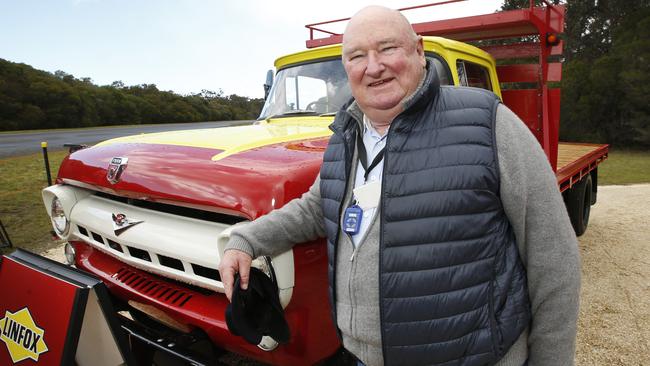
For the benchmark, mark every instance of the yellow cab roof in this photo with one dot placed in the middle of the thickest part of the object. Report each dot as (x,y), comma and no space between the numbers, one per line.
(442,46)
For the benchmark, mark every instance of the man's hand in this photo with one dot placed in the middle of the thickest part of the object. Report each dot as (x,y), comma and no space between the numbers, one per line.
(234,261)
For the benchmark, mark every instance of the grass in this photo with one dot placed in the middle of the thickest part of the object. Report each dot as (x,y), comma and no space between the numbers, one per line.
(21,206)
(625,167)
(25,218)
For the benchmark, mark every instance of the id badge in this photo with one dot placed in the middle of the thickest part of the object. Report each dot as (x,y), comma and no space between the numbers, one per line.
(367,195)
(352,219)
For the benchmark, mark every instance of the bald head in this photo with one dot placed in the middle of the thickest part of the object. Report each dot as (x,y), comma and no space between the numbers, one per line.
(384,60)
(375,15)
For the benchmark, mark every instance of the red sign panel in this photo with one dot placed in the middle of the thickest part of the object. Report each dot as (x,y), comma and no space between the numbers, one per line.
(42,309)
(36,312)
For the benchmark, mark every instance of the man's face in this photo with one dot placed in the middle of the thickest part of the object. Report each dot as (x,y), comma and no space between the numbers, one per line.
(383,60)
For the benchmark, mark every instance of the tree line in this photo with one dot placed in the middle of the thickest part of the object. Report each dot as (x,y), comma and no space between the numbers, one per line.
(35,99)
(606,72)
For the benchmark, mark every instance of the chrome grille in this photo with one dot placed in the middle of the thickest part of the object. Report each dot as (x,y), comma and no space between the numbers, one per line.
(144,255)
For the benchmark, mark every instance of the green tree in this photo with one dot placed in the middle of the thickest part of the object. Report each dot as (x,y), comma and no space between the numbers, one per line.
(591,24)
(608,95)
(31,99)
(605,84)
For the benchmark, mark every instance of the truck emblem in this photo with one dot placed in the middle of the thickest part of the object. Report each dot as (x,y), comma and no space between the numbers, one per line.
(21,335)
(115,169)
(121,223)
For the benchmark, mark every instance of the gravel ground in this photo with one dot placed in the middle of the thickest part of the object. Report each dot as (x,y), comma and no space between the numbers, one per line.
(614,324)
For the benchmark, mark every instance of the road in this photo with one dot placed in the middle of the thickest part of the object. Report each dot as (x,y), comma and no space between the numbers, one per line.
(23,143)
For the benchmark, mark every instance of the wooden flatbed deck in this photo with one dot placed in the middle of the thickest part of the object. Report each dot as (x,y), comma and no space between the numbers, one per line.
(575,160)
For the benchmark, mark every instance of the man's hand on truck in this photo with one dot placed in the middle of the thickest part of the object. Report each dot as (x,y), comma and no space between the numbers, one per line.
(234,261)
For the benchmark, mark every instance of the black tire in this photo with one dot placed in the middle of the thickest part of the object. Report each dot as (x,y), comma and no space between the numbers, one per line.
(578,203)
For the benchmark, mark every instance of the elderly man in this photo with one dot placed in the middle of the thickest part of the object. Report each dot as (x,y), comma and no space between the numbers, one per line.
(448,240)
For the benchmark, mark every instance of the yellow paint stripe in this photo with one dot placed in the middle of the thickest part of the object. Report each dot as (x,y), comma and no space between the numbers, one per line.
(256,144)
(233,140)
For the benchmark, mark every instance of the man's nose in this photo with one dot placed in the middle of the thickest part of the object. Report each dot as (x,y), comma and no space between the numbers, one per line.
(375,65)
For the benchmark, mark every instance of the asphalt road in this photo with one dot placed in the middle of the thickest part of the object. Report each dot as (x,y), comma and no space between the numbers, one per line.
(23,143)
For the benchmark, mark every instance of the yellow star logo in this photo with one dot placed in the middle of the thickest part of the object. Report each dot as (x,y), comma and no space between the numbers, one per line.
(23,338)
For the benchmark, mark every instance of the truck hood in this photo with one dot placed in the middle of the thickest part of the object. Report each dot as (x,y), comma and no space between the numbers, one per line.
(245,171)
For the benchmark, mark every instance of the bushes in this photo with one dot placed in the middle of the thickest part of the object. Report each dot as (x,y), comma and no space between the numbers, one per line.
(606,72)
(32,99)
(606,98)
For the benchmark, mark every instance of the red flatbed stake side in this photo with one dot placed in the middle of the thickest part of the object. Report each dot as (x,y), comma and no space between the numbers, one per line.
(539,108)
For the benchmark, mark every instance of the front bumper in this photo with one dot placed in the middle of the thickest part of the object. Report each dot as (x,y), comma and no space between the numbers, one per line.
(313,336)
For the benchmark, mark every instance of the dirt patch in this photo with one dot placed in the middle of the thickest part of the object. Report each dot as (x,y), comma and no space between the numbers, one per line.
(614,324)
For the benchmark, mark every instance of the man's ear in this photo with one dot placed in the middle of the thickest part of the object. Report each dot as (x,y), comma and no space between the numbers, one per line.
(420,50)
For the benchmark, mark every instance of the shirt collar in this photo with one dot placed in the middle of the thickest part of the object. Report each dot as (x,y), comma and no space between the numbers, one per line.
(367,128)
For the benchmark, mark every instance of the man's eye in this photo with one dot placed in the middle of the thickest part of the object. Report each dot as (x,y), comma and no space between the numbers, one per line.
(388,49)
(355,57)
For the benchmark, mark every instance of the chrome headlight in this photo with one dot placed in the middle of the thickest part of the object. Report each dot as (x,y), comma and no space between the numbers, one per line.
(59,200)
(60,221)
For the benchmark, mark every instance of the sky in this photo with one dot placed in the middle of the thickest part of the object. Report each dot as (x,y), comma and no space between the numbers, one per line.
(180,45)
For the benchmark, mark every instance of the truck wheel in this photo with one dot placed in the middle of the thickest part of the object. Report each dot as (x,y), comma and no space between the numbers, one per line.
(578,203)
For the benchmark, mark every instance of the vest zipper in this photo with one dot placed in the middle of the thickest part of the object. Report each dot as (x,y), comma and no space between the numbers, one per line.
(382,203)
(354,247)
(348,169)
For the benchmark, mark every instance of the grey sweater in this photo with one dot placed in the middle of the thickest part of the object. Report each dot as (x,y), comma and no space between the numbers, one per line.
(545,239)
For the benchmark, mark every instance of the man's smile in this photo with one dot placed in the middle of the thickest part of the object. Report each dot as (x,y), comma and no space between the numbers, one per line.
(381,82)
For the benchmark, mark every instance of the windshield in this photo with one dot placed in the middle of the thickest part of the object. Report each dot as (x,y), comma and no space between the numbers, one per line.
(314,88)
(321,88)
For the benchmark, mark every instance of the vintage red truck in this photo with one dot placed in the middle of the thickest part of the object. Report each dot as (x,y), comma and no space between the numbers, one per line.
(150,214)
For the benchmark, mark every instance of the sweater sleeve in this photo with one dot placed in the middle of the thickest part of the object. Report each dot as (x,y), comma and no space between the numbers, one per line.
(298,221)
(547,243)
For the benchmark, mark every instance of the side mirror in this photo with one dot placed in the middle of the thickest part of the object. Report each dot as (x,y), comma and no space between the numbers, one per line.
(268,83)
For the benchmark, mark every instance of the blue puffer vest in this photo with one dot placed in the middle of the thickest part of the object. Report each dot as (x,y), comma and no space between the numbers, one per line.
(452,287)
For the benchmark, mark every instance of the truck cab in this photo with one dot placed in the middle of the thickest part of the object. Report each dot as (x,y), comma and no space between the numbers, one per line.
(313,82)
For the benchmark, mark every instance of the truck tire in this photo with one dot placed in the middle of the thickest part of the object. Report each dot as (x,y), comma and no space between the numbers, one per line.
(578,203)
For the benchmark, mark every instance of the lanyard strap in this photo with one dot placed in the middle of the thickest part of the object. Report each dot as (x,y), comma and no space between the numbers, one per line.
(363,157)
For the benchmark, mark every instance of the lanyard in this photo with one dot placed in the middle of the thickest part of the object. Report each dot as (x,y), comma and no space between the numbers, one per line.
(363,157)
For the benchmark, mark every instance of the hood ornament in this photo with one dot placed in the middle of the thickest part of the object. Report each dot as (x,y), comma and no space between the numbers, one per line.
(115,169)
(121,223)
